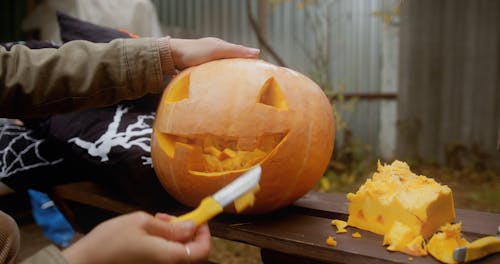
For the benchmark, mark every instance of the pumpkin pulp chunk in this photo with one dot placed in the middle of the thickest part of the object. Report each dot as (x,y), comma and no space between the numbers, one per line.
(246,200)
(402,206)
(443,243)
(222,154)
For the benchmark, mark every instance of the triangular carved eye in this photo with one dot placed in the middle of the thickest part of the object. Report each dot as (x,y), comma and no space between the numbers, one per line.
(179,90)
(270,94)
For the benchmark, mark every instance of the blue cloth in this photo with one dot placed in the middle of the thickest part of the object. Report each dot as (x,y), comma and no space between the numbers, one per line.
(55,227)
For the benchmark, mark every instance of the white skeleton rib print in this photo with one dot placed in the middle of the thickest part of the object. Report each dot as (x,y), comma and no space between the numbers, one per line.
(137,134)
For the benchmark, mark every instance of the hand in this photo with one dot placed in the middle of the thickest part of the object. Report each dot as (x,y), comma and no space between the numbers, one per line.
(191,52)
(141,238)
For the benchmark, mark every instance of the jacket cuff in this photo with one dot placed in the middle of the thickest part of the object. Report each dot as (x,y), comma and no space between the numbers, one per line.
(167,62)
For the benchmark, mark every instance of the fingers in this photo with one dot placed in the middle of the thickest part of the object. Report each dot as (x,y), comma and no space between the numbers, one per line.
(200,246)
(179,231)
(169,251)
(164,217)
(141,238)
(223,49)
(191,52)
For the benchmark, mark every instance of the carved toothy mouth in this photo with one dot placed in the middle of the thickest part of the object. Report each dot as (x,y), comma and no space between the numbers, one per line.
(222,155)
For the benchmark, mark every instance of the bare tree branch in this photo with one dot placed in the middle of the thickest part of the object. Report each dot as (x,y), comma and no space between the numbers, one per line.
(262,40)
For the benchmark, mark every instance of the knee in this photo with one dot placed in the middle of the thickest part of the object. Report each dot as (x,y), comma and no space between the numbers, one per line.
(9,239)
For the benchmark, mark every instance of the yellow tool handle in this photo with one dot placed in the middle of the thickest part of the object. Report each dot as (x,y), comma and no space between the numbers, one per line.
(207,209)
(482,247)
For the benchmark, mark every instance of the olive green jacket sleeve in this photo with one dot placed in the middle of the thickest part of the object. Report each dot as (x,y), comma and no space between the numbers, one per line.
(76,76)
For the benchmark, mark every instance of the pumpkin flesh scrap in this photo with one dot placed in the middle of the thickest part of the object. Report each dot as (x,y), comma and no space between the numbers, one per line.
(442,243)
(413,207)
(356,235)
(246,200)
(221,154)
(402,238)
(341,225)
(331,241)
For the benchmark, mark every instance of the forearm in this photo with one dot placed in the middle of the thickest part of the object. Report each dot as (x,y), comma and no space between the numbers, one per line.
(78,75)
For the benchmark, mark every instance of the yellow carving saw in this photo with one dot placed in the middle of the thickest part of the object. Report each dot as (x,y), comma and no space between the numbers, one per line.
(478,248)
(246,184)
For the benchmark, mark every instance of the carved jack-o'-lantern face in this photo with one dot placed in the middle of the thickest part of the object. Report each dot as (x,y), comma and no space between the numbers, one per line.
(218,119)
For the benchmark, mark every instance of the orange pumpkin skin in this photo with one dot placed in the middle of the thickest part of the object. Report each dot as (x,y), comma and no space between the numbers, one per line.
(267,115)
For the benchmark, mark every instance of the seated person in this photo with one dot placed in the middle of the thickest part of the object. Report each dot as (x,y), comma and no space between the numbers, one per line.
(82,75)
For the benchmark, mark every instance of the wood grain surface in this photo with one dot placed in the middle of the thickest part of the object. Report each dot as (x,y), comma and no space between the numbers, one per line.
(296,233)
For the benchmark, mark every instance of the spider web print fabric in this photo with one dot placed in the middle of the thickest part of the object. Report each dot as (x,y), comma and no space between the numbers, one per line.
(109,145)
(20,150)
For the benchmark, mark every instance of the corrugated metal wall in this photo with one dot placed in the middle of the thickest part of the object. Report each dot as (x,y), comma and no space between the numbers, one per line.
(449,78)
(345,31)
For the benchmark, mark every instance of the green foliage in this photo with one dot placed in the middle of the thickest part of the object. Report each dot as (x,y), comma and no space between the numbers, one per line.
(340,105)
(349,167)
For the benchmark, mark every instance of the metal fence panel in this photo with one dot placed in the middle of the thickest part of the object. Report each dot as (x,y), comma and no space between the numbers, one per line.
(346,31)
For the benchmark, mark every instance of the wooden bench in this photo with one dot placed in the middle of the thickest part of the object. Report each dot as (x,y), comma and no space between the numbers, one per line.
(296,234)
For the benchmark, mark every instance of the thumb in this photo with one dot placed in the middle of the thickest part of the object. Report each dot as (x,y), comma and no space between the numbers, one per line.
(178,231)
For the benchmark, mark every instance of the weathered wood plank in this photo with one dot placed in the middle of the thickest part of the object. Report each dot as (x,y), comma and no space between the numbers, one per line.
(299,230)
(93,194)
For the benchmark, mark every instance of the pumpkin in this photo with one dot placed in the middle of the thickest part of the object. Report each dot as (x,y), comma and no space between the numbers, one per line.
(404,207)
(218,119)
